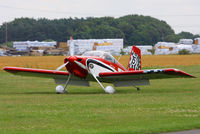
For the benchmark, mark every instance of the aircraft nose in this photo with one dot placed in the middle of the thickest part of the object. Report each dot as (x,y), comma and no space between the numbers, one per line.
(75,66)
(71,59)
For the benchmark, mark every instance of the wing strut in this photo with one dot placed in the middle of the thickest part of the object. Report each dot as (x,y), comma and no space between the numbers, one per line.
(98,82)
(67,82)
(60,89)
(108,89)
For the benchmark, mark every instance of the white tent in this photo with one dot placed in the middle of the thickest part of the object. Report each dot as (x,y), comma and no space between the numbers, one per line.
(77,47)
(145,50)
(196,48)
(185,41)
(2,52)
(186,47)
(165,48)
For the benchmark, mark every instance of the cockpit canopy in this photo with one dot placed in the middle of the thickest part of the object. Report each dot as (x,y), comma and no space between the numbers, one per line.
(104,55)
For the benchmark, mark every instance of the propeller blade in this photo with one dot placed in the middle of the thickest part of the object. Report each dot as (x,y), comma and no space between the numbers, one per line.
(60,67)
(81,65)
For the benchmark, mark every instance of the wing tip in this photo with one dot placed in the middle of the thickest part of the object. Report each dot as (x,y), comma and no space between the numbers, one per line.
(180,72)
(5,68)
(8,68)
(187,74)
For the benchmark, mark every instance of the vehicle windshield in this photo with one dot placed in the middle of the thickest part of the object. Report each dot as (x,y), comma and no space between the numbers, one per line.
(105,55)
(93,53)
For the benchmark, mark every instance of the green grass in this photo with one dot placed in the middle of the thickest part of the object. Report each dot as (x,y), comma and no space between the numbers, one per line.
(30,105)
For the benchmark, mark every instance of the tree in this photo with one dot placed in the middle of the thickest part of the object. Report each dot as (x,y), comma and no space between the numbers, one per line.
(172,38)
(134,29)
(185,35)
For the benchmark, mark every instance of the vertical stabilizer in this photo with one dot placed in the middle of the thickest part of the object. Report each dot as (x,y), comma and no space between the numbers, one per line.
(135,59)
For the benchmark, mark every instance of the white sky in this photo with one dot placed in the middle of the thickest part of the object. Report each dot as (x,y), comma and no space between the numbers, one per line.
(182,15)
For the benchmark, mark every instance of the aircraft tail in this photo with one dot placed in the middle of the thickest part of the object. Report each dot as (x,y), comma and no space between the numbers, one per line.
(135,59)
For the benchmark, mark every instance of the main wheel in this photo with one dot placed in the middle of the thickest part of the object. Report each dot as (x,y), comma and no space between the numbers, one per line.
(109,89)
(60,89)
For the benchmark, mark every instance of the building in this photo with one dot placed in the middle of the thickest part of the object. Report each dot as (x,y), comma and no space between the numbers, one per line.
(185,41)
(25,46)
(78,47)
(145,50)
(196,45)
(197,41)
(2,52)
(166,48)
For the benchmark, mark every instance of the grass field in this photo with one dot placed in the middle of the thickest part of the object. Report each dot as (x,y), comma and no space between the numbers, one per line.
(30,106)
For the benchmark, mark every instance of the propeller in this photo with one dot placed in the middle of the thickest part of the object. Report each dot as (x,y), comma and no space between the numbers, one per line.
(81,65)
(60,67)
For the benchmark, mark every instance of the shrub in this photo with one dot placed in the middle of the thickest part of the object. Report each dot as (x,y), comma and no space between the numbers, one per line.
(183,52)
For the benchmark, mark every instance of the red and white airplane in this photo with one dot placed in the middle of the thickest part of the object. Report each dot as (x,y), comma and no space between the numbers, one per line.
(101,67)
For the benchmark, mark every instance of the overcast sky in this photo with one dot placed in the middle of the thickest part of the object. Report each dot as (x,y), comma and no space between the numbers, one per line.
(181,15)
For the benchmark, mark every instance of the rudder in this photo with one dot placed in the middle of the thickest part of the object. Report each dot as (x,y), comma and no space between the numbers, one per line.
(135,59)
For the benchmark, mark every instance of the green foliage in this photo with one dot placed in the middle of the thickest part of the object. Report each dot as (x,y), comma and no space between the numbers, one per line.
(8,44)
(122,52)
(185,35)
(184,52)
(152,51)
(48,40)
(176,37)
(172,38)
(134,29)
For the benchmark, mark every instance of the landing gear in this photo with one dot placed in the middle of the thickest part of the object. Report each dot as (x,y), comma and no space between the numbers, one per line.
(108,89)
(60,89)
(138,89)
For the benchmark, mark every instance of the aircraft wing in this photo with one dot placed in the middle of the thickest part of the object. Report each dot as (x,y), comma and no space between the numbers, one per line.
(141,77)
(60,77)
(37,72)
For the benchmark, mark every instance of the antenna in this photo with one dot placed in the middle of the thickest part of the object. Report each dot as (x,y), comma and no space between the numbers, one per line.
(119,57)
(6,33)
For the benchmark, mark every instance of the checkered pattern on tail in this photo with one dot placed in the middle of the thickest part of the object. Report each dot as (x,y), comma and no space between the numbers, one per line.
(135,59)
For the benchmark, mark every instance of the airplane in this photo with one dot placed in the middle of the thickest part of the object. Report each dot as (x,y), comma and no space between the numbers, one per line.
(101,67)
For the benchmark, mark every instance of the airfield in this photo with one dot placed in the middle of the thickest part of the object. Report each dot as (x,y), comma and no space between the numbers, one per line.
(31,106)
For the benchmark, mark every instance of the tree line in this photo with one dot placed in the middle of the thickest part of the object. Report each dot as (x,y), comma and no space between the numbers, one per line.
(134,29)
